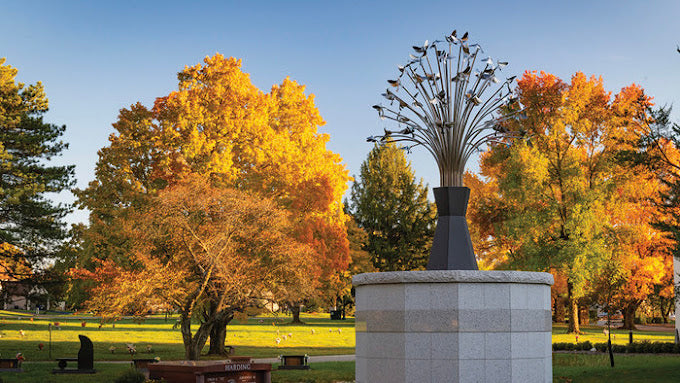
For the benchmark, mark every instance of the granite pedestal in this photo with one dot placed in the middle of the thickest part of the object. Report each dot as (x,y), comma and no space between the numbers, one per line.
(453,326)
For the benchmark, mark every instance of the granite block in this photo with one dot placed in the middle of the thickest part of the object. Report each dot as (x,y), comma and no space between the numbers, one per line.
(470,295)
(445,346)
(444,371)
(361,369)
(496,296)
(417,296)
(418,370)
(382,320)
(385,370)
(418,346)
(476,320)
(431,321)
(471,371)
(528,345)
(547,344)
(536,296)
(381,297)
(361,345)
(530,320)
(443,296)
(385,345)
(471,345)
(498,370)
(519,296)
(497,345)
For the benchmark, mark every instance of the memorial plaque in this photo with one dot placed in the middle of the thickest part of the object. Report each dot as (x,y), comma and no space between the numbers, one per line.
(238,370)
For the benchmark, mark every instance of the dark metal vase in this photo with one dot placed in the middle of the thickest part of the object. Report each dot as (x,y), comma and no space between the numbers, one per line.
(452,247)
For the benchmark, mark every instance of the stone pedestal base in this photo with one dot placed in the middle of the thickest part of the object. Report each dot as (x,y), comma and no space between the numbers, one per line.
(453,326)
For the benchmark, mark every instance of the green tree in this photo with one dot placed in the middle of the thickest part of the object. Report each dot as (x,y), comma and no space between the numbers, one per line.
(563,201)
(392,207)
(31,225)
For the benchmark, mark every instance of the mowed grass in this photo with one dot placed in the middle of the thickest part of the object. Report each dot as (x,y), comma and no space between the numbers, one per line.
(256,337)
(588,368)
(594,334)
(326,372)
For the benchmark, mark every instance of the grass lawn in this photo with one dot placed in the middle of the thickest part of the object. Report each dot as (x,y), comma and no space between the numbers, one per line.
(628,368)
(327,372)
(595,335)
(256,338)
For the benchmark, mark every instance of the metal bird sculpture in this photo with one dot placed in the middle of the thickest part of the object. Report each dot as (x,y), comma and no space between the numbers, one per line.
(448,100)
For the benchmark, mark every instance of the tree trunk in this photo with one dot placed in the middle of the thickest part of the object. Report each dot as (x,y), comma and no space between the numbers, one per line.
(583,316)
(629,317)
(295,309)
(573,311)
(559,310)
(666,310)
(193,344)
(218,336)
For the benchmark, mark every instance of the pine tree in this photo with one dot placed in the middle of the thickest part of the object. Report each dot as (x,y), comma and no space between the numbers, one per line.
(393,208)
(31,225)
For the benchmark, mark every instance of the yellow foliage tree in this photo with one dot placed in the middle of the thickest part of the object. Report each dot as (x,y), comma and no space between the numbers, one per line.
(219,126)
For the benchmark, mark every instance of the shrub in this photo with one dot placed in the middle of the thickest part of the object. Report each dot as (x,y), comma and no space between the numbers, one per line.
(131,376)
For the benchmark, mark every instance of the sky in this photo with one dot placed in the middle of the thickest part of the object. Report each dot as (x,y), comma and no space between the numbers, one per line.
(95,58)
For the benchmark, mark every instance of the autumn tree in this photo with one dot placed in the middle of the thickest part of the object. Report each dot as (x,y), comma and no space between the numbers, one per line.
(392,207)
(205,251)
(31,225)
(220,126)
(558,195)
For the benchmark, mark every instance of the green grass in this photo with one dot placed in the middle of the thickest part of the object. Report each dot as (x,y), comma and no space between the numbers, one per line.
(628,368)
(41,372)
(595,335)
(256,338)
(322,372)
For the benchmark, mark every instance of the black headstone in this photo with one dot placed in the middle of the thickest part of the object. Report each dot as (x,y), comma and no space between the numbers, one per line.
(86,354)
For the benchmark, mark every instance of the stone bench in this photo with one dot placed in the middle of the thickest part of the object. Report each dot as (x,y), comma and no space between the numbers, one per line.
(294,362)
(10,365)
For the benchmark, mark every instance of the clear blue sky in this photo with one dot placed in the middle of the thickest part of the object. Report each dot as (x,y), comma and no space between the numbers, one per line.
(95,58)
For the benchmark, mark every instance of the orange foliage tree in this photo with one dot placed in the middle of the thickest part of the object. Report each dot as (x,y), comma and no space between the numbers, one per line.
(219,126)
(562,199)
(203,251)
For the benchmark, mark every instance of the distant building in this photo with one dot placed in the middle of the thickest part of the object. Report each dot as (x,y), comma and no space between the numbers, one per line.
(18,295)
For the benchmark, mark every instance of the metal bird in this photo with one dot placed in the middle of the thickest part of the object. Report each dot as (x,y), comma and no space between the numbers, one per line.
(394,83)
(452,37)
(371,139)
(465,37)
(476,47)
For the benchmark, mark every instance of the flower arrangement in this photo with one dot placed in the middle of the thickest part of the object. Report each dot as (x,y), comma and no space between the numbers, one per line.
(20,358)
(112,349)
(40,346)
(149,349)
(131,349)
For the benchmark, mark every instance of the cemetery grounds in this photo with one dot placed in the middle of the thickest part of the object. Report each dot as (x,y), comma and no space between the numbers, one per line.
(257,337)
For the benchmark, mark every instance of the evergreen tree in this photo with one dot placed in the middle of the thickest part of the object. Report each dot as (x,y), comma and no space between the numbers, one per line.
(393,208)
(31,225)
